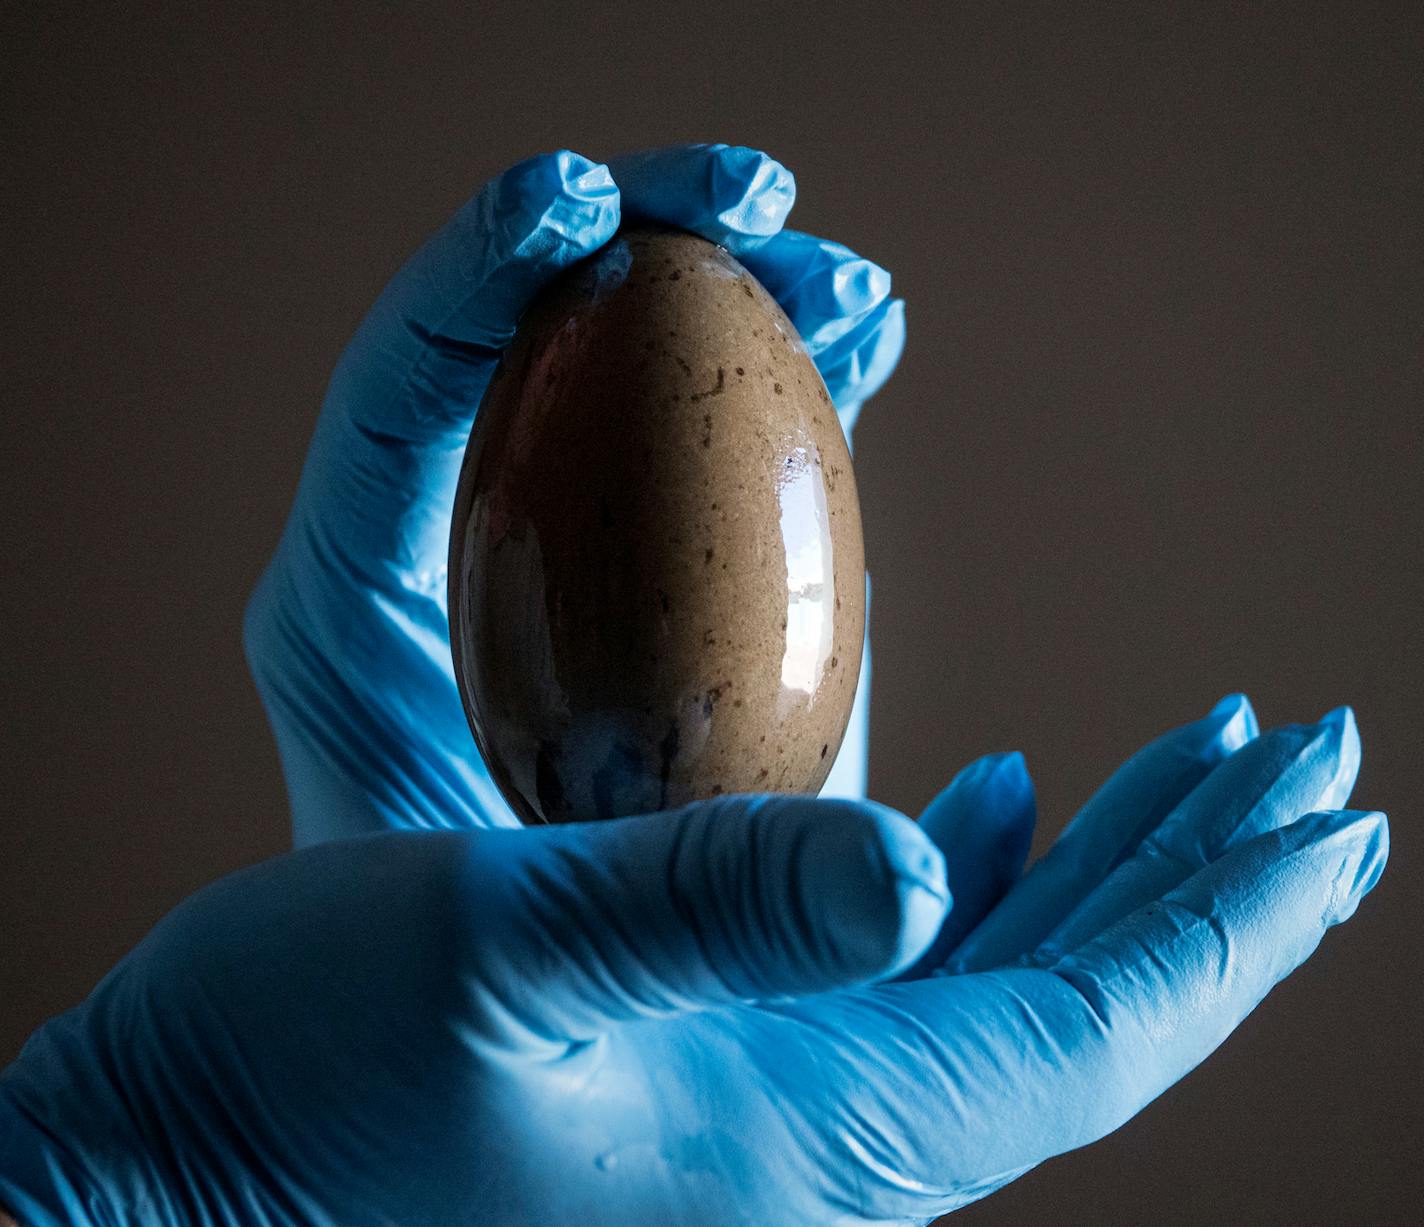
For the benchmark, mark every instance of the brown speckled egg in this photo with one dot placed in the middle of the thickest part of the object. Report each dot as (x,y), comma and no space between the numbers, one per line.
(657,578)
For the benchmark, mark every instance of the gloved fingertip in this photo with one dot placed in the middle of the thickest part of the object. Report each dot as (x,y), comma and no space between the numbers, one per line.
(1236,707)
(997,786)
(1377,857)
(1234,722)
(984,818)
(858,284)
(1250,723)
(1344,734)
(857,366)
(549,210)
(733,195)
(824,286)
(1228,704)
(586,211)
(1354,848)
(923,912)
(1009,773)
(537,181)
(752,192)
(583,178)
(911,860)
(1339,717)
(882,886)
(1014,798)
(1341,736)
(1372,829)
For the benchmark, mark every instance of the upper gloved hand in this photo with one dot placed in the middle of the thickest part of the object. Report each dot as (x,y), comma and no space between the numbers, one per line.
(347,633)
(684,1018)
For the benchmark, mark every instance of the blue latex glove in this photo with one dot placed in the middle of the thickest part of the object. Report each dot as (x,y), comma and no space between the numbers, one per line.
(347,633)
(683,1018)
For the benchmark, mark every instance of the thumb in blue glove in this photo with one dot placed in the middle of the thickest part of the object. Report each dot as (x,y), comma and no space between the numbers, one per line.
(435,1027)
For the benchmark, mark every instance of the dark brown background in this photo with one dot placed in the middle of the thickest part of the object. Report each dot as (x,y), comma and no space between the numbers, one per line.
(1156,437)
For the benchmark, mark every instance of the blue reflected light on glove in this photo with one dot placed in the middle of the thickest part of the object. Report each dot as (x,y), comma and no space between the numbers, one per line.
(757,1009)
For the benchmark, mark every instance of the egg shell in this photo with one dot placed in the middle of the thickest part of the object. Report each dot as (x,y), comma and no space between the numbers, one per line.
(657,576)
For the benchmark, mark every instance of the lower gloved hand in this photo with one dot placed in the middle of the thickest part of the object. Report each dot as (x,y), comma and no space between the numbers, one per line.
(688,1018)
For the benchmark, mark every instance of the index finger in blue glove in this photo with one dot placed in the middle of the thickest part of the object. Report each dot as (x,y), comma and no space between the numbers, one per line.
(387,452)
(733,195)
(1280,775)
(742,898)
(435,332)
(381,474)
(1107,830)
(946,1087)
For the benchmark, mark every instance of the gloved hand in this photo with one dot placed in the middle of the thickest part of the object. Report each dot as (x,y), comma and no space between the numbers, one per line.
(347,633)
(682,1018)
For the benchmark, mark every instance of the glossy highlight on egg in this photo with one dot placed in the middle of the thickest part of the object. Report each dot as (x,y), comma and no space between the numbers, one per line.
(657,576)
